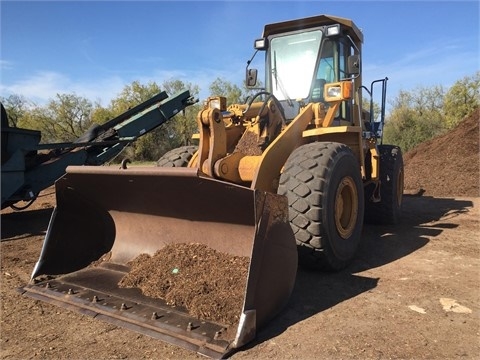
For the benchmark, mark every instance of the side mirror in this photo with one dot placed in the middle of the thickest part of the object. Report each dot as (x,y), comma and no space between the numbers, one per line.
(251,77)
(353,64)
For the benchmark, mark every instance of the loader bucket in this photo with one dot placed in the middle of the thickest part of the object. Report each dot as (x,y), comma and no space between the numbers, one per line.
(118,214)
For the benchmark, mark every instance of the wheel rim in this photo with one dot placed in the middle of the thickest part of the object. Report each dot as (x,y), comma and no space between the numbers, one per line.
(346,207)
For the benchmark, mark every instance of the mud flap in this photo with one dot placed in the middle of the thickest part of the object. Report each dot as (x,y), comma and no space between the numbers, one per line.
(128,212)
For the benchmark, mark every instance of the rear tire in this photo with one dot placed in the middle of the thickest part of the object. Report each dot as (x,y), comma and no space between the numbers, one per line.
(323,184)
(389,209)
(179,157)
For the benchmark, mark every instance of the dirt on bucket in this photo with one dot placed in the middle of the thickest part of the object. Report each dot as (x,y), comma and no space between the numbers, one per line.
(209,284)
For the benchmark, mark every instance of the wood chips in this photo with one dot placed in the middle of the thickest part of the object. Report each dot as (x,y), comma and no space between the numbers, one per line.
(209,284)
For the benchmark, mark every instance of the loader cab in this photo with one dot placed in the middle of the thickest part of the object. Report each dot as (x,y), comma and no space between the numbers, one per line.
(301,57)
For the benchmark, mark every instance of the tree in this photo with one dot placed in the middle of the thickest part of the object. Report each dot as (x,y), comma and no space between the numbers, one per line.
(406,129)
(222,87)
(416,116)
(129,97)
(462,99)
(182,126)
(101,115)
(175,132)
(376,108)
(16,107)
(424,113)
(64,119)
(233,93)
(133,95)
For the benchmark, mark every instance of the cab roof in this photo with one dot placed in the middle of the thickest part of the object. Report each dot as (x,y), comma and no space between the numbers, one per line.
(314,21)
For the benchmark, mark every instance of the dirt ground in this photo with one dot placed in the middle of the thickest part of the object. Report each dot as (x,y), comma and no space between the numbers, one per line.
(411,293)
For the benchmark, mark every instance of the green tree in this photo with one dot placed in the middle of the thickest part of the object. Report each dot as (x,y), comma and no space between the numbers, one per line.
(462,99)
(16,107)
(376,108)
(234,93)
(415,117)
(175,132)
(63,119)
(222,87)
(101,115)
(132,95)
(183,126)
(406,129)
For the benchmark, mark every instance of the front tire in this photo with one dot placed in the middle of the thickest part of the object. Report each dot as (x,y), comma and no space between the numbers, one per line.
(323,184)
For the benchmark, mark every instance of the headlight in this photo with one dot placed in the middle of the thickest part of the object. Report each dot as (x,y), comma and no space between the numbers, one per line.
(338,91)
(333,30)
(334,91)
(260,44)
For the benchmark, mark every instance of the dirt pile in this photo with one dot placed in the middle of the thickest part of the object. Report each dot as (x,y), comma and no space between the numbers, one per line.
(208,283)
(447,165)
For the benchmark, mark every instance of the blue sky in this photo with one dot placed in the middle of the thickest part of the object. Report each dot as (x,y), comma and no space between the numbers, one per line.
(94,49)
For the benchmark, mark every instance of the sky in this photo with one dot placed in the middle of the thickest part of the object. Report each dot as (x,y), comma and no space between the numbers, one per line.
(95,48)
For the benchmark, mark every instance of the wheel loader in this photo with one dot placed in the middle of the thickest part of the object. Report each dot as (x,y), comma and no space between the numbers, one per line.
(286,178)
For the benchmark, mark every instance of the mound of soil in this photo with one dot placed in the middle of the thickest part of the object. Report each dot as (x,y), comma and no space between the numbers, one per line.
(208,283)
(447,165)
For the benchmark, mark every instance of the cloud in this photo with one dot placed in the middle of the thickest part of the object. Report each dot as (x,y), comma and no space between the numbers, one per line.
(202,77)
(436,64)
(5,65)
(43,86)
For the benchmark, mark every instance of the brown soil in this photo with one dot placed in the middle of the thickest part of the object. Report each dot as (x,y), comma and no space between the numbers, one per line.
(204,281)
(411,293)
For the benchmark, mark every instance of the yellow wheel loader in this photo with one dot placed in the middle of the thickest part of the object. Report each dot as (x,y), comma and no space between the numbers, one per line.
(287,177)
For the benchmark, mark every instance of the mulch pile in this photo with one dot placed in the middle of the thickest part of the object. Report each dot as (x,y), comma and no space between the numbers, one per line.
(448,165)
(209,284)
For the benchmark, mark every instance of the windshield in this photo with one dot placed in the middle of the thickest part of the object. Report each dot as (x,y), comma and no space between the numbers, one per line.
(292,60)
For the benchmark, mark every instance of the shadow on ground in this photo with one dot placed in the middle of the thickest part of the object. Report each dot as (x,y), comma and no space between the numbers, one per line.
(424,218)
(315,292)
(22,224)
